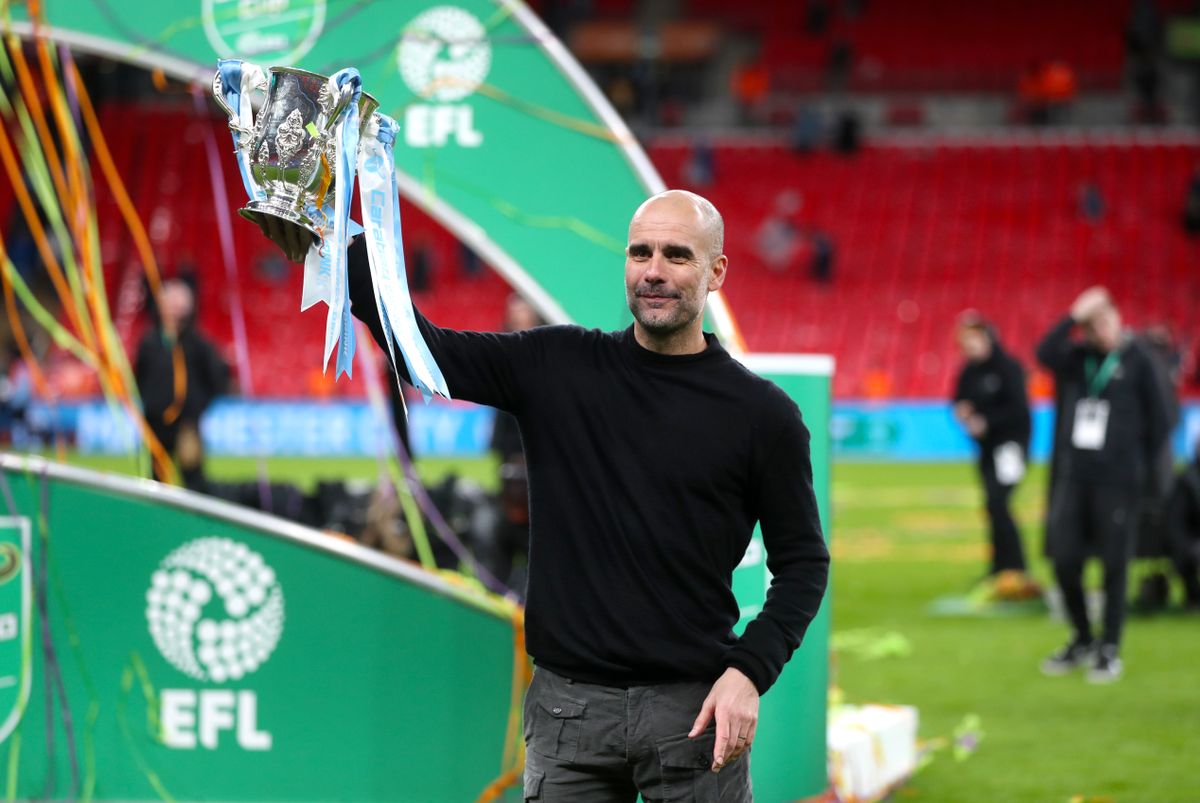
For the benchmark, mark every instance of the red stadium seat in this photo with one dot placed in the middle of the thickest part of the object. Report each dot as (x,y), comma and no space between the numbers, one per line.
(923,233)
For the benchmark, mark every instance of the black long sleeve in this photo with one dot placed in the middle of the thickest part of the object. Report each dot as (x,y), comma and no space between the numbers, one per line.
(797,562)
(1056,350)
(995,387)
(1012,413)
(647,474)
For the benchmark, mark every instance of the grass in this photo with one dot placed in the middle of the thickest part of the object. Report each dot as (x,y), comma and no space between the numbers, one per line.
(905,535)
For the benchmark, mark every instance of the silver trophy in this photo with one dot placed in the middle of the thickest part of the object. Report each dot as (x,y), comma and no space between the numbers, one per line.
(290,147)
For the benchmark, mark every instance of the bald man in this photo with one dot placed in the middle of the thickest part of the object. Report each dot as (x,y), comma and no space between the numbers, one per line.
(651,455)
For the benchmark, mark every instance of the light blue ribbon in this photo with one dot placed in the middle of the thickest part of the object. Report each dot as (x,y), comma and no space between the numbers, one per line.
(347,82)
(231,72)
(380,199)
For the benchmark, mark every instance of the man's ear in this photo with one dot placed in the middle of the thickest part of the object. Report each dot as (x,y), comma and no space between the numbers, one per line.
(720,267)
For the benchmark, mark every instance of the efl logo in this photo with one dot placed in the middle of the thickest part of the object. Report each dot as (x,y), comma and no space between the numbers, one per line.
(215,612)
(444,56)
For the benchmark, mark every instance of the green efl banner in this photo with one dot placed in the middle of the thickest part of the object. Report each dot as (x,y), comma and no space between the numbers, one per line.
(186,649)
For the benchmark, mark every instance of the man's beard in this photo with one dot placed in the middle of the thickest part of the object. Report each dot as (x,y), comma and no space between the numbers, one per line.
(663,322)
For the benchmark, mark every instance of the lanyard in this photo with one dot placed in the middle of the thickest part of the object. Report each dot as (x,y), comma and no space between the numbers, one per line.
(1097,380)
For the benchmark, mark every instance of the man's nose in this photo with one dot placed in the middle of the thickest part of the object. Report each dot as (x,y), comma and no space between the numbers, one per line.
(654,270)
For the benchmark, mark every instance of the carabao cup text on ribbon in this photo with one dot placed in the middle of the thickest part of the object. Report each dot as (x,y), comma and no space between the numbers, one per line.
(381,217)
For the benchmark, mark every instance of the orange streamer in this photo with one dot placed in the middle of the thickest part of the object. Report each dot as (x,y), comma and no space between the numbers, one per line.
(12,167)
(18,329)
(76,195)
(136,229)
(514,744)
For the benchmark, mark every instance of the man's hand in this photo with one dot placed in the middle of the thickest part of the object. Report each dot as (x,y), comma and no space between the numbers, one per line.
(734,702)
(976,425)
(963,410)
(292,238)
(1090,301)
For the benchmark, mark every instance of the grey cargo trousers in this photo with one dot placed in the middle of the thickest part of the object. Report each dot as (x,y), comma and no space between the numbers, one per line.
(604,744)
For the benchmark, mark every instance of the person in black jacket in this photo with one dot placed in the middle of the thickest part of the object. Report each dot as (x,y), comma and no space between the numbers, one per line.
(651,454)
(179,373)
(1115,421)
(991,404)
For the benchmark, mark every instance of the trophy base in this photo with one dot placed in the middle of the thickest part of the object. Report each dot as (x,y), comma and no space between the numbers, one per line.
(255,211)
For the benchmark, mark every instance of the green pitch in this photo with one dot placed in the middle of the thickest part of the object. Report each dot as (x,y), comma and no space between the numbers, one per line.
(906,534)
(903,536)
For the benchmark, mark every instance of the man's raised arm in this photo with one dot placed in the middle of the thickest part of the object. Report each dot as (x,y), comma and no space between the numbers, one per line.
(481,367)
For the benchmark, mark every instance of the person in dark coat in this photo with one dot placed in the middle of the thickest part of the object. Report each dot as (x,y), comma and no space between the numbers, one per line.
(992,405)
(179,373)
(1115,422)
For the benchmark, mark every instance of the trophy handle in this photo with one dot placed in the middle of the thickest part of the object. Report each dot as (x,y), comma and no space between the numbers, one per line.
(235,120)
(218,87)
(345,94)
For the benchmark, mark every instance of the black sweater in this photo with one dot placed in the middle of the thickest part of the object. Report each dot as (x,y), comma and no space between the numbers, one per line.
(647,474)
(995,387)
(1138,418)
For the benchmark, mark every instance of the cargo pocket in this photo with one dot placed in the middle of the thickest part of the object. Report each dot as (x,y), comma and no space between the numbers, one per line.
(556,726)
(533,785)
(686,765)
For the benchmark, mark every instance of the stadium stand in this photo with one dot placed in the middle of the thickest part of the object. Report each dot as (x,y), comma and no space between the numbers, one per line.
(993,225)
(939,45)
(996,226)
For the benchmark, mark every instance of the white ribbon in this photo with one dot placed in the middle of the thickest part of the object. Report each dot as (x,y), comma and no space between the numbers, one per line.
(381,218)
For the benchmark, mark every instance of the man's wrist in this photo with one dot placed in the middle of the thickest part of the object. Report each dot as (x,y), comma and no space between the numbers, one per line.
(746,665)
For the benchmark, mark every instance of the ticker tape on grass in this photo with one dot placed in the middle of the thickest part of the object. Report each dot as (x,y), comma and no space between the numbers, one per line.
(871,644)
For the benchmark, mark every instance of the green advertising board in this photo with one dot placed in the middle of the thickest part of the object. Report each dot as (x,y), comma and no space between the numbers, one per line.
(207,652)
(792,714)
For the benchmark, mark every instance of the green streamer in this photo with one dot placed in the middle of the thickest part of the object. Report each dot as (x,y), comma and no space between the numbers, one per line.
(513,212)
(412,514)
(38,171)
(135,671)
(76,643)
(14,759)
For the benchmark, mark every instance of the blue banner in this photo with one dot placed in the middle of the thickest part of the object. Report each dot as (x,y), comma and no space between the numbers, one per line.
(889,431)
(926,430)
(303,428)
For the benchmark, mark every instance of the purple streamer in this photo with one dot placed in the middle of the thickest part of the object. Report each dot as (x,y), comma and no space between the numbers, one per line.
(64,55)
(426,505)
(54,679)
(237,314)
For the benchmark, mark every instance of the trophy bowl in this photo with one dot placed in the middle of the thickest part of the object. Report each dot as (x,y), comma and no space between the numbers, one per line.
(290,148)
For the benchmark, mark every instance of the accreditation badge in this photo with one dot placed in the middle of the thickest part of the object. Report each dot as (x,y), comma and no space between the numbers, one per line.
(1091,424)
(1010,463)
